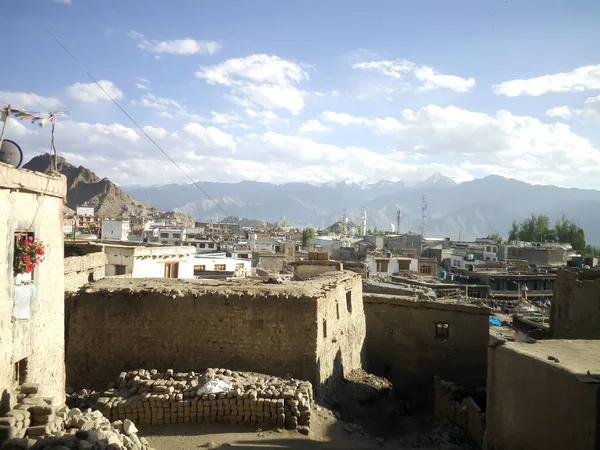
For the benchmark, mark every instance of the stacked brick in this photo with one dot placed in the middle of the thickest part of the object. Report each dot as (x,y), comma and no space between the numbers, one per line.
(35,423)
(151,397)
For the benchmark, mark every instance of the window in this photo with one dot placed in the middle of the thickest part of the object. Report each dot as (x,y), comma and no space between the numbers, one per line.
(442,331)
(24,235)
(202,245)
(349,301)
(176,235)
(244,256)
(90,277)
(324,328)
(211,245)
(425,270)
(172,270)
(220,268)
(201,268)
(20,371)
(120,269)
(177,242)
(164,235)
(337,310)
(403,266)
(382,266)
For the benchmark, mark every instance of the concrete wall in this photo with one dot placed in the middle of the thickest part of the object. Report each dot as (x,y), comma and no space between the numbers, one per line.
(32,314)
(80,270)
(575,310)
(536,404)
(186,325)
(401,336)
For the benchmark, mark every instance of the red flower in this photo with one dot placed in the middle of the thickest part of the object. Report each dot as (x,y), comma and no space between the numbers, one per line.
(40,251)
(25,259)
(30,238)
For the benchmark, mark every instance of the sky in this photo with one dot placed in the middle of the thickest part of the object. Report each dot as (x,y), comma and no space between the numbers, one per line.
(314,91)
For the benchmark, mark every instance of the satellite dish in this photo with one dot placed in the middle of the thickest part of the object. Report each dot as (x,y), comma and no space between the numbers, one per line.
(10,153)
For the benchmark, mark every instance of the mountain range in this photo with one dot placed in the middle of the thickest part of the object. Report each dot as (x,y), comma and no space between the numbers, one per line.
(467,210)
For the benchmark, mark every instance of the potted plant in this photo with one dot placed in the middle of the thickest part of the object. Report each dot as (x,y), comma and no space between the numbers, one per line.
(28,254)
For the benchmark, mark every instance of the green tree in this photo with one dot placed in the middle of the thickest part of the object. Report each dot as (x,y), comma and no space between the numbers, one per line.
(308,237)
(495,237)
(537,229)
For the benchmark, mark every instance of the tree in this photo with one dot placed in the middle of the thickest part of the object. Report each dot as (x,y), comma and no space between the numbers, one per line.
(495,237)
(537,229)
(308,237)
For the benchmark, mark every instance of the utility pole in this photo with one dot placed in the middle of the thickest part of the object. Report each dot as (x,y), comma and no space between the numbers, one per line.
(423,216)
(398,217)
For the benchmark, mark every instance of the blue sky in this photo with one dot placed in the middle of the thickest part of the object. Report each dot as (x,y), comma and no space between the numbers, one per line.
(316,91)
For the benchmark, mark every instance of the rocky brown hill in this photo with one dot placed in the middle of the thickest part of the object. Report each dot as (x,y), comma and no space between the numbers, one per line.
(85,187)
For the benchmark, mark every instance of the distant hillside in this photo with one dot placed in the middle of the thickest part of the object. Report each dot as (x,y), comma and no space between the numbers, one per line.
(473,209)
(85,187)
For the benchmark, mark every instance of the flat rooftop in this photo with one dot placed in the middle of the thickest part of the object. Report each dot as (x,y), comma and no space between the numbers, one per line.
(447,304)
(316,287)
(575,356)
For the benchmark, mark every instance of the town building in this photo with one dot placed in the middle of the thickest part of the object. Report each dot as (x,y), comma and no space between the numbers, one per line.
(574,313)
(543,395)
(312,331)
(218,265)
(115,229)
(68,226)
(84,263)
(410,341)
(87,211)
(539,253)
(32,346)
(132,260)
(387,265)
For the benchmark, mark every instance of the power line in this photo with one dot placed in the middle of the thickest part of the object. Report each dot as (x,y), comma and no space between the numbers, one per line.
(126,113)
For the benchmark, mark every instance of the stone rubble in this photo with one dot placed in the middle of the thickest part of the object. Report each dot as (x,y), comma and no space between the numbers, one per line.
(36,423)
(149,397)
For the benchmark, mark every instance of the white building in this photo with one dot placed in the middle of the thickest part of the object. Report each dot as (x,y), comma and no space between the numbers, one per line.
(149,261)
(114,229)
(393,265)
(68,226)
(221,263)
(207,245)
(171,235)
(85,211)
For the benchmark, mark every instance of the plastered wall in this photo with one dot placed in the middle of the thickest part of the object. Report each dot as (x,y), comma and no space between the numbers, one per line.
(32,202)
(402,343)
(576,304)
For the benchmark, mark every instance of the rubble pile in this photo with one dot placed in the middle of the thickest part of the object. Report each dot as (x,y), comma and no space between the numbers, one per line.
(216,395)
(36,423)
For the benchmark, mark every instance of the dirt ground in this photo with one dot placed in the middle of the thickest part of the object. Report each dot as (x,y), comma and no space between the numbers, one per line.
(326,433)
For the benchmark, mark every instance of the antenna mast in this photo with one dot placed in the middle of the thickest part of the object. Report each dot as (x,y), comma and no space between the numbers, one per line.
(423,216)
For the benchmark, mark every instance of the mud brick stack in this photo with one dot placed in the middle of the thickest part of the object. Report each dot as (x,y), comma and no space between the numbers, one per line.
(154,398)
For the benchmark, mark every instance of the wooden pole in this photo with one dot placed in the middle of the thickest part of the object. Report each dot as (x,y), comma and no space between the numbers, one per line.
(54,146)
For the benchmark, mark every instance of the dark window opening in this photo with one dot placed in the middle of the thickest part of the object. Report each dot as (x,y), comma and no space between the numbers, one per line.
(442,331)
(120,269)
(337,310)
(349,301)
(90,277)
(325,328)
(20,371)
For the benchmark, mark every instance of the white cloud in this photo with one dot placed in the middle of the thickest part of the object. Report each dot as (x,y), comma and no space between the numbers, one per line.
(314,126)
(24,100)
(578,80)
(142,83)
(413,76)
(590,111)
(211,136)
(180,47)
(91,93)
(259,81)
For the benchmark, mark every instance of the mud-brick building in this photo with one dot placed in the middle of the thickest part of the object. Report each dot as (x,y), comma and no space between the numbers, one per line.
(31,305)
(312,330)
(410,341)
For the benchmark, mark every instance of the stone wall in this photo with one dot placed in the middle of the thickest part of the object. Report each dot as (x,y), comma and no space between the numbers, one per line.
(81,269)
(32,313)
(402,344)
(122,324)
(575,310)
(538,403)
(459,407)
